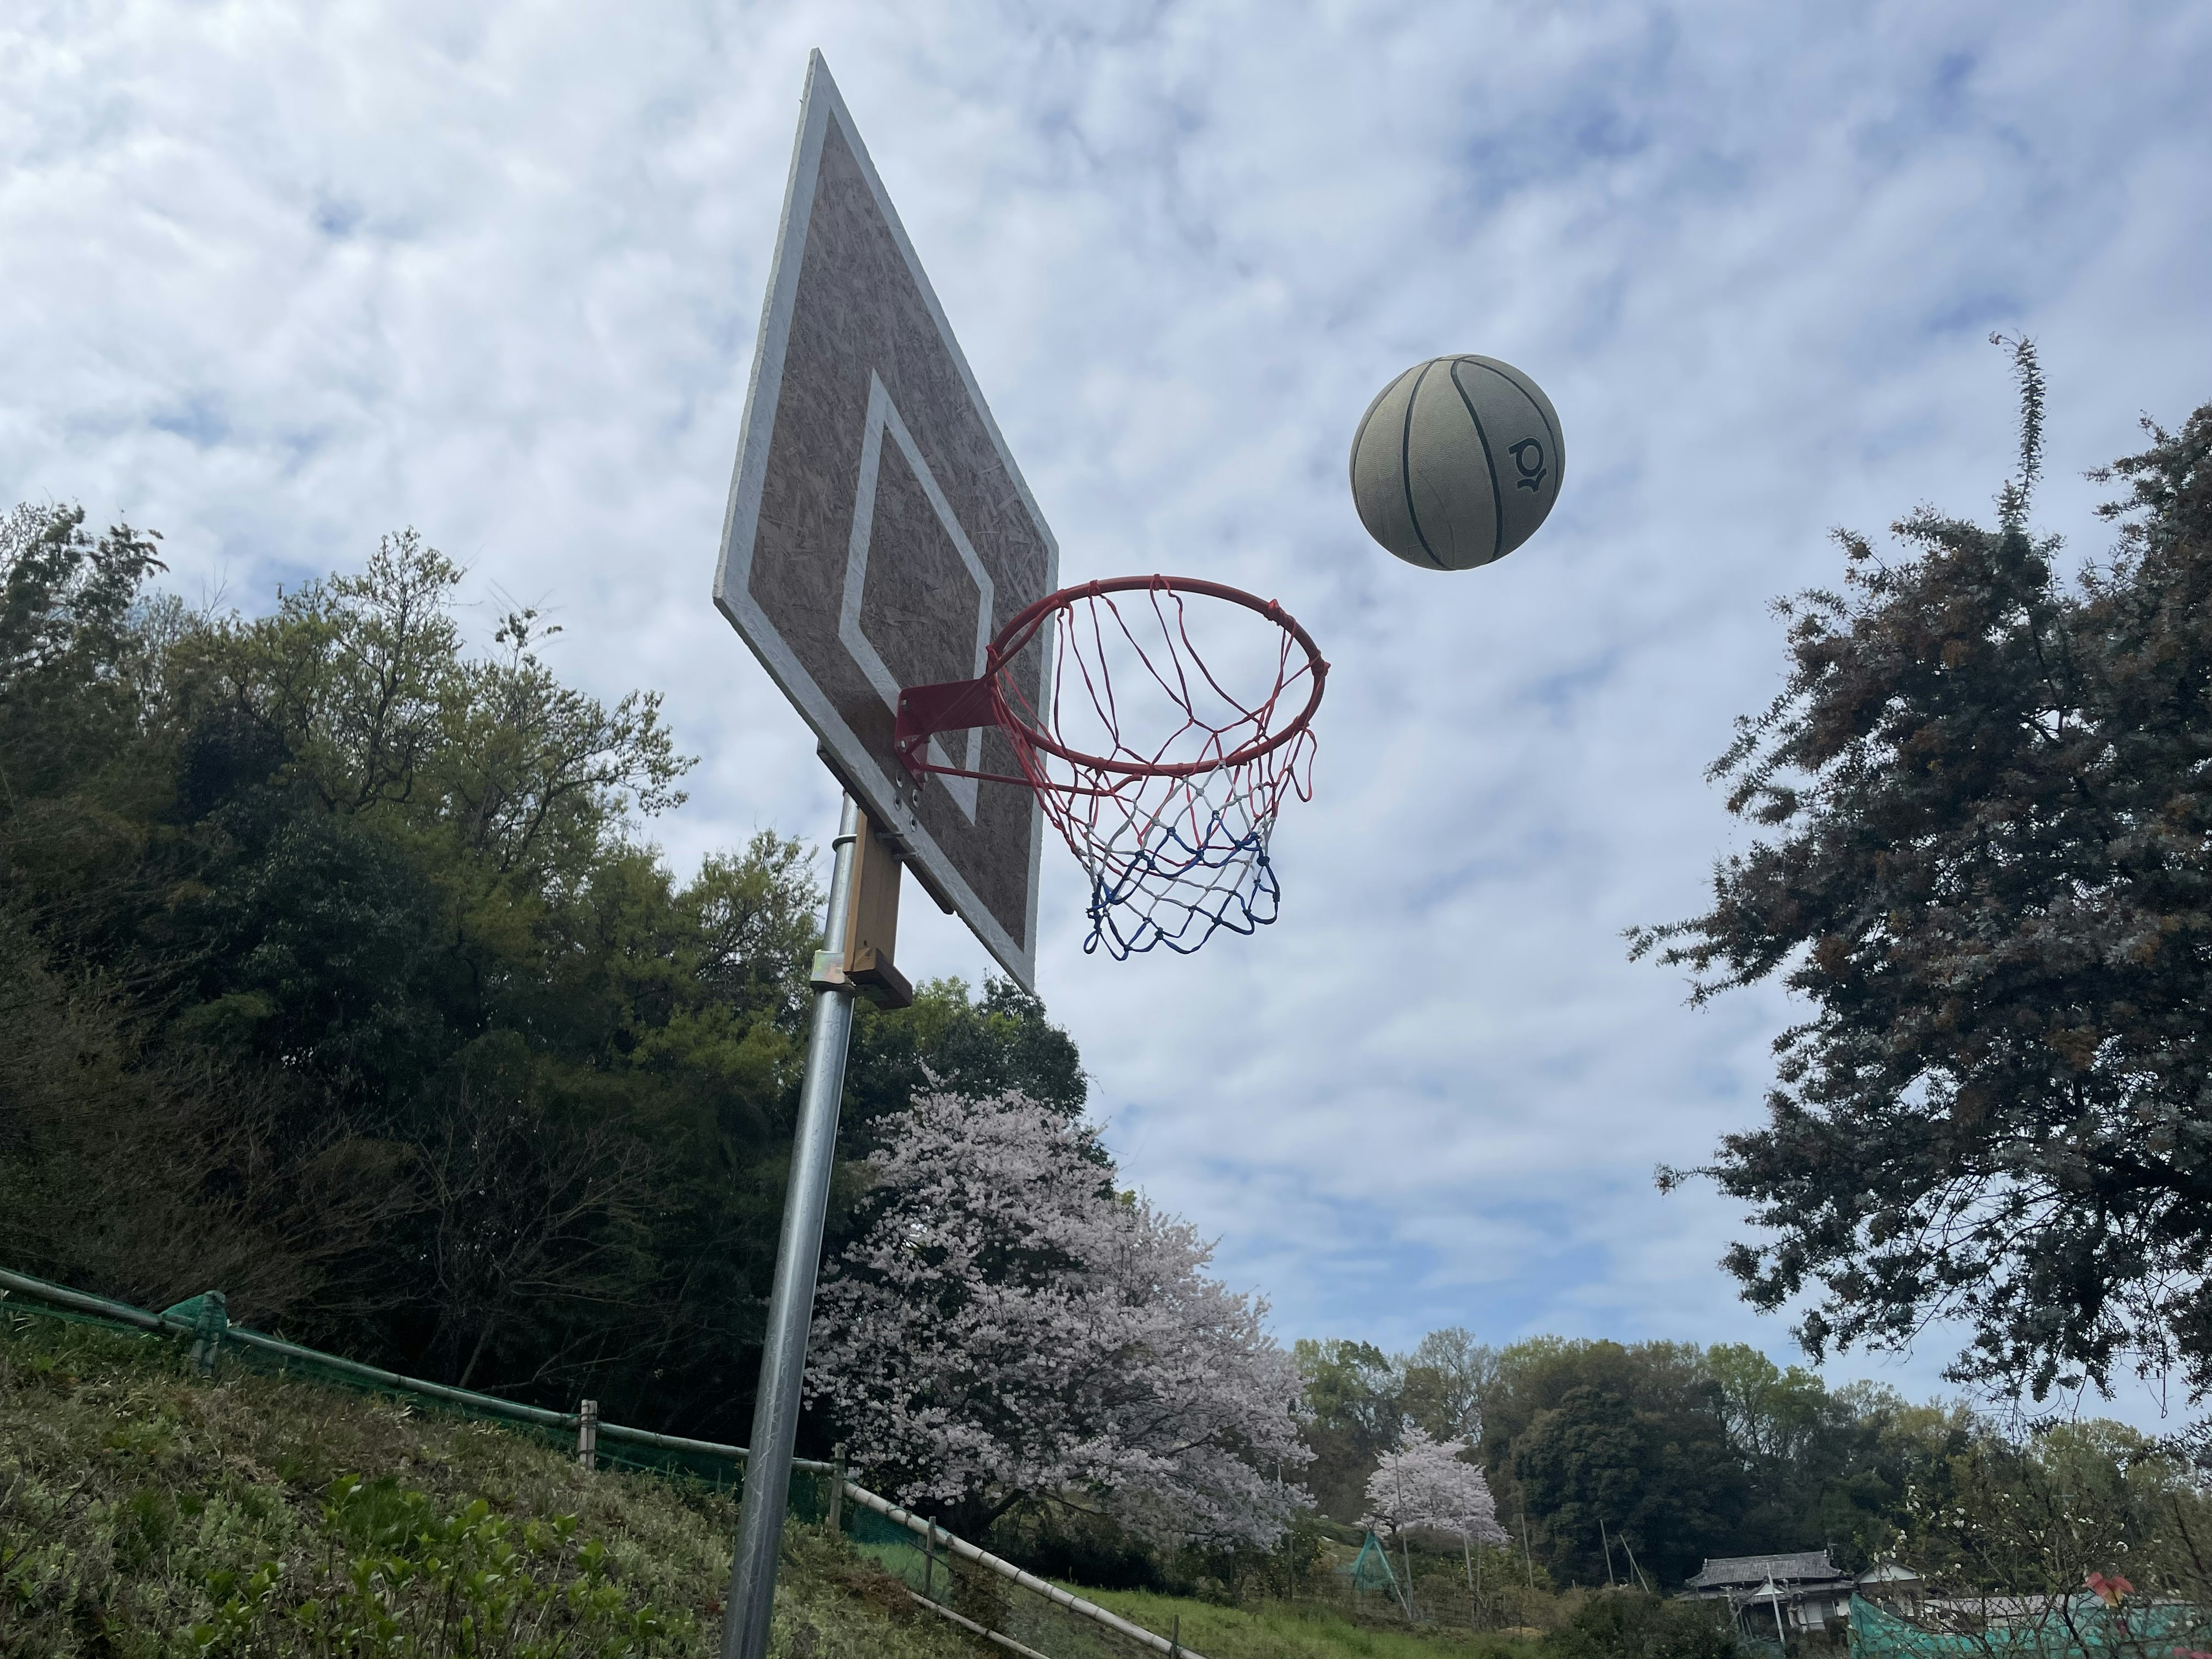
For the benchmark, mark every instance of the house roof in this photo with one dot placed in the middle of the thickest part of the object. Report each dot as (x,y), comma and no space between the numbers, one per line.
(1758,1569)
(1889,1572)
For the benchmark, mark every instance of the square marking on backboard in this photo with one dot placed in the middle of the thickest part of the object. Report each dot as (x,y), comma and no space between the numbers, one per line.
(883,421)
(878,529)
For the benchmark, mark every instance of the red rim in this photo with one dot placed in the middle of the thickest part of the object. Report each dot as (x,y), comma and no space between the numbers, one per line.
(1017,634)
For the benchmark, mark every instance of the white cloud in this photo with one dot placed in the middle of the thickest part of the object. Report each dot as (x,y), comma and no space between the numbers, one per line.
(277,277)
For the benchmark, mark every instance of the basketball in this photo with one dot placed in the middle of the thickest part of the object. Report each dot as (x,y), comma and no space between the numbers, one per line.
(1457,462)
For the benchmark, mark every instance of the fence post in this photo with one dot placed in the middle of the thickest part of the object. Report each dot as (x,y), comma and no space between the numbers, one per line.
(587,1435)
(928,1560)
(207,1330)
(837,1487)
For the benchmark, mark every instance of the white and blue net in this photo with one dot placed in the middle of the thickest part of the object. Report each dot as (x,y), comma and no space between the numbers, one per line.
(1162,781)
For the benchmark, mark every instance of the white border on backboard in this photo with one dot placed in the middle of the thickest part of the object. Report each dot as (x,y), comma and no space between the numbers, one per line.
(883,419)
(885,797)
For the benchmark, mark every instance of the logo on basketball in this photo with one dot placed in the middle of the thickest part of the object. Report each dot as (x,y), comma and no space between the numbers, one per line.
(1528,457)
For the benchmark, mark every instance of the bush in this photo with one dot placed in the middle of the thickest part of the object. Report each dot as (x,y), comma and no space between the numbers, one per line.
(1081,1549)
(1631,1625)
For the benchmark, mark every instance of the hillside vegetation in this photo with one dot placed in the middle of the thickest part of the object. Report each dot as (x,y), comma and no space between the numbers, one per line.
(344,980)
(148,1511)
(145,1511)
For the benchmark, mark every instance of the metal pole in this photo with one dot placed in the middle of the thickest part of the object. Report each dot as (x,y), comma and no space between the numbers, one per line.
(1466,1553)
(1633,1568)
(791,1303)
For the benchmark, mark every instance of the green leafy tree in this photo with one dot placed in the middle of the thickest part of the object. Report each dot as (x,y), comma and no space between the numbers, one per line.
(1446,1376)
(2099,1539)
(1597,1468)
(1351,1411)
(350,987)
(953,1041)
(1987,874)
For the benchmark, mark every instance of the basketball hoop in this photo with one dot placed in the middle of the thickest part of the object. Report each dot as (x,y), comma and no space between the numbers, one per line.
(1165,785)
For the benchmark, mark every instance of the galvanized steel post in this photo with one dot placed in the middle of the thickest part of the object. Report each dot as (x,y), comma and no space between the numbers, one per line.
(791,1303)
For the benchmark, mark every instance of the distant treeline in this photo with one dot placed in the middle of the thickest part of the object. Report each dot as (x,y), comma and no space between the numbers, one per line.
(1679,1453)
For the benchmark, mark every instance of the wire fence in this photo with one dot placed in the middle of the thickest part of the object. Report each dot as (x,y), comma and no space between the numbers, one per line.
(1470,1589)
(991,1598)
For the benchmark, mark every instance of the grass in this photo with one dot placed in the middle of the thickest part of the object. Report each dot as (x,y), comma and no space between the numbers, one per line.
(1281,1631)
(146,1512)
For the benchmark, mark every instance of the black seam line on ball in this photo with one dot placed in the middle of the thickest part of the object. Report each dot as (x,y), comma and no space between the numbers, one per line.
(1405,467)
(1558,462)
(1360,436)
(1497,496)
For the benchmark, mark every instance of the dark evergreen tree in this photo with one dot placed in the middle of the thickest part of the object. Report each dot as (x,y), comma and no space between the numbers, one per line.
(1987,799)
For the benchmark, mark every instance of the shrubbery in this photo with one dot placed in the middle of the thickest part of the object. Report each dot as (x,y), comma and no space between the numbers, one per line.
(1631,1625)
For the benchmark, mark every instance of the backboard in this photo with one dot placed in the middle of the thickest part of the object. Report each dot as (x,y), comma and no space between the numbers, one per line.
(879,533)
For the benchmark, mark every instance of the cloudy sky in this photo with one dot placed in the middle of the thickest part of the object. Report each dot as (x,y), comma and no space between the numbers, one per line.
(277,276)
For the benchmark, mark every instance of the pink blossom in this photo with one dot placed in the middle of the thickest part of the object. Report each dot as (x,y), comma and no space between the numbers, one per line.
(1008,1327)
(1426,1483)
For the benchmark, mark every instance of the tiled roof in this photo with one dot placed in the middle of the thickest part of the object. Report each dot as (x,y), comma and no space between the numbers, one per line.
(1756,1570)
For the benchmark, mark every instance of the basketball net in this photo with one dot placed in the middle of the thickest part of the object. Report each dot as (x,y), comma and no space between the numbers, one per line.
(1162,781)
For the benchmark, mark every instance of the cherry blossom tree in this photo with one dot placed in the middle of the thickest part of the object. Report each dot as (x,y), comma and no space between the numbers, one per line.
(1008,1328)
(1425,1483)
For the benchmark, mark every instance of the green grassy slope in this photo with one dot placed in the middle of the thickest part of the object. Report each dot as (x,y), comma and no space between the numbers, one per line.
(147,1511)
(1281,1631)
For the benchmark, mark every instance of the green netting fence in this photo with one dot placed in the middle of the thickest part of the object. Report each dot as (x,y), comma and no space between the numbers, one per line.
(1445,1584)
(992,1599)
(2070,1627)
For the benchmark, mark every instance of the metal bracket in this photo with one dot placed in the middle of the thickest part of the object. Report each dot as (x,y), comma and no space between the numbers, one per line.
(872,976)
(925,710)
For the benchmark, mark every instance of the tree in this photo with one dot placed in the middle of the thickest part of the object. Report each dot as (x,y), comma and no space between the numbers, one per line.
(951,1042)
(1351,1411)
(1429,1483)
(1445,1378)
(355,994)
(1987,875)
(2098,1539)
(351,986)
(1595,1466)
(1786,1430)
(1008,1330)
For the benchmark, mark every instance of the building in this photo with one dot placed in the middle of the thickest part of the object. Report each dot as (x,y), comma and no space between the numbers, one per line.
(1776,1594)
(1894,1588)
